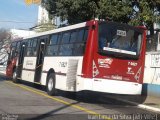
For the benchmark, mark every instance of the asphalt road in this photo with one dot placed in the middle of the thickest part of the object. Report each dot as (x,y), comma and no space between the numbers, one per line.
(27,101)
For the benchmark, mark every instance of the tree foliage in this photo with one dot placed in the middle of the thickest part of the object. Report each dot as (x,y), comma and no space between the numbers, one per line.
(45,27)
(115,10)
(76,11)
(5,39)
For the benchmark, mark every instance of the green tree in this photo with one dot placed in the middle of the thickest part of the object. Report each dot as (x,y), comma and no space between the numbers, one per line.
(45,27)
(116,10)
(51,7)
(148,13)
(76,11)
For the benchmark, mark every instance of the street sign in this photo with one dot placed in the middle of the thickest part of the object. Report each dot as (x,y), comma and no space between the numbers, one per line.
(29,2)
(36,1)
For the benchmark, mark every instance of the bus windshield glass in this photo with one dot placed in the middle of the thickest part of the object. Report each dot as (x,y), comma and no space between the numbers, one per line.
(119,39)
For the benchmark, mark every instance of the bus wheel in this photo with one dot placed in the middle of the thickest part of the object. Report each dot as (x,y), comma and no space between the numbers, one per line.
(14,77)
(51,84)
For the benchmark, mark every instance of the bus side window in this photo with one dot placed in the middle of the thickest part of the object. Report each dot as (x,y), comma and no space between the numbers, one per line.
(29,50)
(66,49)
(80,35)
(34,47)
(65,37)
(15,49)
(54,39)
(79,49)
(73,36)
(52,48)
(85,35)
(34,42)
(13,52)
(79,46)
(31,47)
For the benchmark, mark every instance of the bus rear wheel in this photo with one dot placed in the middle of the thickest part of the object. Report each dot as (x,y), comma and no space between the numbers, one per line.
(14,76)
(51,84)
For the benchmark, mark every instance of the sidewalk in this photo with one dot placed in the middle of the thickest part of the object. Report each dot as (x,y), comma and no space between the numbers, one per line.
(145,102)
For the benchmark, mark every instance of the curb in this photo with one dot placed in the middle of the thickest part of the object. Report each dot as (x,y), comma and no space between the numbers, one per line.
(146,107)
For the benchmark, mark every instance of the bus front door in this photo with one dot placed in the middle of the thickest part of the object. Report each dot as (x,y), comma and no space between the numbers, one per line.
(40,59)
(20,60)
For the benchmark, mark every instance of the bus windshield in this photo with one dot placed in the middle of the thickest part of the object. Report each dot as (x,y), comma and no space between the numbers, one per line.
(119,39)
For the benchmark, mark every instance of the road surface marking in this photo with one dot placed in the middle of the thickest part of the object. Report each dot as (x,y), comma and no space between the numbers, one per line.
(61,101)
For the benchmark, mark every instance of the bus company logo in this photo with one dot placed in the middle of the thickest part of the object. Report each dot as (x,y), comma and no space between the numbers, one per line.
(130,71)
(105,63)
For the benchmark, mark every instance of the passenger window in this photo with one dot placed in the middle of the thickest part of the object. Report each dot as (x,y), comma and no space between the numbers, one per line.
(29,51)
(66,49)
(80,35)
(34,42)
(73,37)
(18,44)
(52,50)
(85,35)
(79,49)
(14,44)
(34,50)
(29,43)
(32,47)
(65,37)
(54,39)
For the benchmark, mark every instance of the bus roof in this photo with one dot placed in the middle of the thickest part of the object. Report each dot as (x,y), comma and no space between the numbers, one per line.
(57,30)
(79,25)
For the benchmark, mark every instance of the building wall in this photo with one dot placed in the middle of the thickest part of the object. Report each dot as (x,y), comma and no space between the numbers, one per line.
(16,33)
(151,84)
(42,15)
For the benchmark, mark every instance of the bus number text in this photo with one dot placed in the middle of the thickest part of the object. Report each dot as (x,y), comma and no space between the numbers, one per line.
(62,64)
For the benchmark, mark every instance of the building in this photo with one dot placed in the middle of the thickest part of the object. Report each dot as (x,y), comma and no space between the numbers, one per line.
(43,16)
(17,33)
(43,23)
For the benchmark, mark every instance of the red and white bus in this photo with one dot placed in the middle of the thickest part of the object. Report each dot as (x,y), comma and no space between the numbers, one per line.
(96,55)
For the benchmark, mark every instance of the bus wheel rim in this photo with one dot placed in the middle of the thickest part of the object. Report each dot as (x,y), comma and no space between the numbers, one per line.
(50,84)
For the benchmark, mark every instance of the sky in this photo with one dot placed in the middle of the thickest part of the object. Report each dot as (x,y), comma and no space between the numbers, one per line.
(16,14)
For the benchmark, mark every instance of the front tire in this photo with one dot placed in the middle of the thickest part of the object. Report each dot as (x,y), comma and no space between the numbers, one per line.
(14,76)
(51,84)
